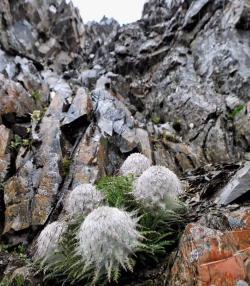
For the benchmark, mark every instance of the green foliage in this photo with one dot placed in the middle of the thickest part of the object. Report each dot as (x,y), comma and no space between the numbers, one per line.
(36,115)
(236,111)
(18,142)
(66,166)
(117,190)
(36,95)
(18,280)
(156,119)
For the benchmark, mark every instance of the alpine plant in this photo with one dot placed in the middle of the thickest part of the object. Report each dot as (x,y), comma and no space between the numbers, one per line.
(158,188)
(82,200)
(135,165)
(108,238)
(49,239)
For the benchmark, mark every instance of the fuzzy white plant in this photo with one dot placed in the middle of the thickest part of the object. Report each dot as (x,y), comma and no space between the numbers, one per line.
(135,164)
(158,188)
(48,240)
(108,237)
(83,199)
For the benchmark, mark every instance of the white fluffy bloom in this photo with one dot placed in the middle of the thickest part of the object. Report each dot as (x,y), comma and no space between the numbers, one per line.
(83,199)
(107,238)
(135,164)
(158,188)
(48,239)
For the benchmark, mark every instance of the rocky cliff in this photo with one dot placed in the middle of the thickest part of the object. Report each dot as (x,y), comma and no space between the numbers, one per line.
(76,99)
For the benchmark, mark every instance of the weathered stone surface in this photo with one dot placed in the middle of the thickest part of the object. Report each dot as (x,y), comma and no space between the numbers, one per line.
(42,31)
(90,158)
(236,187)
(14,98)
(5,136)
(113,118)
(208,257)
(80,107)
(144,143)
(31,194)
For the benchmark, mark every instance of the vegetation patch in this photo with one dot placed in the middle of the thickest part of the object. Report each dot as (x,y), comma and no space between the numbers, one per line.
(236,111)
(123,235)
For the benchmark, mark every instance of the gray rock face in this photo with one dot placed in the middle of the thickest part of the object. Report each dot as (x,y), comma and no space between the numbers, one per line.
(113,118)
(187,64)
(42,30)
(236,187)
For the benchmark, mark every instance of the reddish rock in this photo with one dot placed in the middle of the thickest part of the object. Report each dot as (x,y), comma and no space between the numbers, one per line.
(211,257)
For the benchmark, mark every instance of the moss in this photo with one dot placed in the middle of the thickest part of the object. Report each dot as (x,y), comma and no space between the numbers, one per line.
(156,119)
(236,111)
(18,142)
(66,166)
(36,95)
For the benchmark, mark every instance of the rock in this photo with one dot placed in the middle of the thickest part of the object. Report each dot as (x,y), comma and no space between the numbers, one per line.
(236,187)
(14,99)
(232,102)
(144,143)
(57,30)
(184,66)
(113,118)
(207,256)
(78,114)
(5,136)
(89,160)
(194,10)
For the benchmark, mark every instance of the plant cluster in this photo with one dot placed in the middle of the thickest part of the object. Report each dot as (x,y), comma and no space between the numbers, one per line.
(112,227)
(19,142)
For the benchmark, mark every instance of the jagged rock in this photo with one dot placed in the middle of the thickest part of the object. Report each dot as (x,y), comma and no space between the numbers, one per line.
(79,110)
(90,158)
(48,159)
(14,99)
(43,31)
(193,12)
(176,156)
(236,187)
(113,118)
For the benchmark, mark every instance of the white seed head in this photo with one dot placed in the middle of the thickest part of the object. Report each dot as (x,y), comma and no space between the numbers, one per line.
(157,188)
(107,238)
(135,164)
(48,239)
(83,199)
